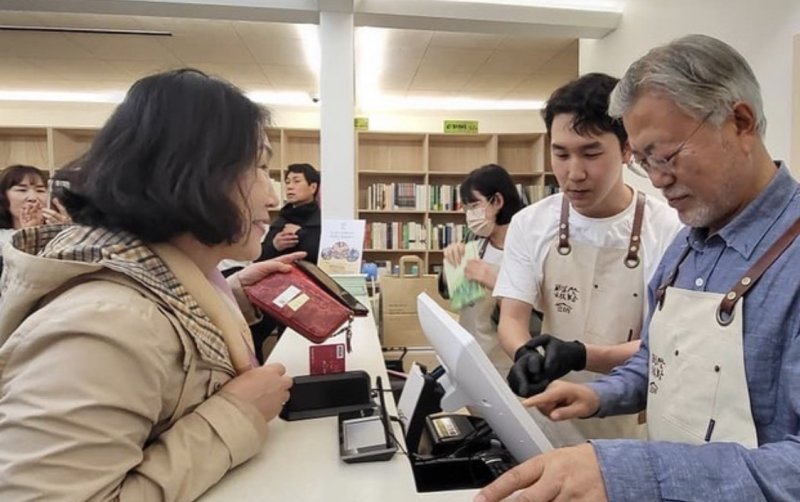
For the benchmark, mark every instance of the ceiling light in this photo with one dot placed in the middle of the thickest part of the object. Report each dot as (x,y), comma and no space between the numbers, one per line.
(309,36)
(58,96)
(290,98)
(455,103)
(590,5)
(370,48)
(94,31)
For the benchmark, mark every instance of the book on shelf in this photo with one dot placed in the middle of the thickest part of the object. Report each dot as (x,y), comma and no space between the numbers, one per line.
(551,189)
(445,198)
(396,196)
(443,234)
(531,194)
(395,235)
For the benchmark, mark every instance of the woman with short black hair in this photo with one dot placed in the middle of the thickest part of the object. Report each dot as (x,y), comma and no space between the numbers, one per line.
(23,194)
(126,367)
(490,199)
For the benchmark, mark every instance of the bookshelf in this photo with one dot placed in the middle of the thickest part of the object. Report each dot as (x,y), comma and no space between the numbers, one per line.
(50,148)
(25,146)
(410,180)
(414,161)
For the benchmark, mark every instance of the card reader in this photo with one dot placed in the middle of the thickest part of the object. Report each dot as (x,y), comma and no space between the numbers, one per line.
(364,435)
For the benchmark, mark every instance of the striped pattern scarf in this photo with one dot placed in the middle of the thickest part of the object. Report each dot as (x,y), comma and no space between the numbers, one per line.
(126,254)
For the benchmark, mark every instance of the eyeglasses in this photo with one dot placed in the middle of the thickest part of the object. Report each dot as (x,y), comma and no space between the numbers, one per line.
(477,204)
(655,163)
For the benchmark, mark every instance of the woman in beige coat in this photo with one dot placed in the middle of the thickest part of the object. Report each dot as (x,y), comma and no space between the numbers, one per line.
(126,363)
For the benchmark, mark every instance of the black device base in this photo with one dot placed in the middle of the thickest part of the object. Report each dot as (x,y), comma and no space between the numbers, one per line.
(314,396)
(461,473)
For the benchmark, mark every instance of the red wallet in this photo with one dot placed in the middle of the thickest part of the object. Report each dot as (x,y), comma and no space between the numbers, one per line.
(296,300)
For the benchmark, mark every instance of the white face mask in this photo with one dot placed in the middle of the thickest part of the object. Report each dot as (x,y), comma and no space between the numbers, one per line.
(478,223)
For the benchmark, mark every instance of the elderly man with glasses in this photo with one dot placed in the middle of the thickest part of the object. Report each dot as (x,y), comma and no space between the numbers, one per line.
(718,370)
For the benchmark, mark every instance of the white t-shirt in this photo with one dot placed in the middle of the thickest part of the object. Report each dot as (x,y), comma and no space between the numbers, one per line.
(533,230)
(493,255)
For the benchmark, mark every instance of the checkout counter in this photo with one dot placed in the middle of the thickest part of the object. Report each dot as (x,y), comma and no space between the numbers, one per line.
(300,459)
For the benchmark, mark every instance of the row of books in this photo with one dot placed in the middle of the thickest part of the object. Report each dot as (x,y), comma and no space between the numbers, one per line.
(390,196)
(445,198)
(411,196)
(534,193)
(412,236)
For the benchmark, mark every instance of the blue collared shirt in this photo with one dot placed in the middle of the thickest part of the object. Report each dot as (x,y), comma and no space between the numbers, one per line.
(638,470)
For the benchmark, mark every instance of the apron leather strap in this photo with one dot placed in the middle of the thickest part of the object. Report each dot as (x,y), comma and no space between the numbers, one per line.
(563,228)
(482,250)
(670,280)
(725,309)
(632,260)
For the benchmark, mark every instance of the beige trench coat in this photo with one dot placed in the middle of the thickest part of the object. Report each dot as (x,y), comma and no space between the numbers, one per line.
(103,395)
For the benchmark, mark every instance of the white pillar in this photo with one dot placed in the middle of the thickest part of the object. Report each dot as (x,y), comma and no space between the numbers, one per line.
(337,101)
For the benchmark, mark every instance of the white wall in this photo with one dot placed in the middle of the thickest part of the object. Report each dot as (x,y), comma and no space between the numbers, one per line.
(762,30)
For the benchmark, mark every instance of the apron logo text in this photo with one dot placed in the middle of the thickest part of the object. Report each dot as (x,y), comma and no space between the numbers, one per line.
(568,296)
(657,370)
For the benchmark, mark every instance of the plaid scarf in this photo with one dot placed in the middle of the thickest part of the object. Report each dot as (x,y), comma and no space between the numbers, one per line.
(126,254)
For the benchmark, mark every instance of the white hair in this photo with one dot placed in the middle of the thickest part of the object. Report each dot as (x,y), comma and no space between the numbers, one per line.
(702,76)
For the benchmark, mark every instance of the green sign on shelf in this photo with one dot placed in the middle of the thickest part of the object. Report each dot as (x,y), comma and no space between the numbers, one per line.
(361,123)
(461,127)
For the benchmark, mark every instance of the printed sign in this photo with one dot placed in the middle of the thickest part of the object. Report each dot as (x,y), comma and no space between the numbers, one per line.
(340,246)
(361,123)
(461,127)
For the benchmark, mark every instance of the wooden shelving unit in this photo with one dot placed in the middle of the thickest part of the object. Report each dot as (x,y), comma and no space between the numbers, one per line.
(30,146)
(418,158)
(439,159)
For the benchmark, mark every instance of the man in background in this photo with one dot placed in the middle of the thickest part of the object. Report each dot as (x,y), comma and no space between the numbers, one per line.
(298,225)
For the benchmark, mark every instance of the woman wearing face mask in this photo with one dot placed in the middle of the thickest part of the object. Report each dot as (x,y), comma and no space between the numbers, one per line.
(490,200)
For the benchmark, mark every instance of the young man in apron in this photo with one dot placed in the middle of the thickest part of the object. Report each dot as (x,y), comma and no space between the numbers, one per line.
(582,257)
(719,366)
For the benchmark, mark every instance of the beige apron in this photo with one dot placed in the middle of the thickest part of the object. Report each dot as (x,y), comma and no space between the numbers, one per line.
(697,390)
(595,295)
(477,319)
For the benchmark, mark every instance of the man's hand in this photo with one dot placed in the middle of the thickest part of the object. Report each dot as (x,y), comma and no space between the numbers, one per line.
(285,239)
(526,377)
(266,387)
(534,368)
(454,253)
(253,273)
(565,400)
(482,272)
(560,357)
(564,474)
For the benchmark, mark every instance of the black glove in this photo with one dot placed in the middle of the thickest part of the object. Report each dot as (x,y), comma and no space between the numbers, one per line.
(560,357)
(532,372)
(526,377)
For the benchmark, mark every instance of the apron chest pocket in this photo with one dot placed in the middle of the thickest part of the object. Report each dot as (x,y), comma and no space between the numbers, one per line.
(694,384)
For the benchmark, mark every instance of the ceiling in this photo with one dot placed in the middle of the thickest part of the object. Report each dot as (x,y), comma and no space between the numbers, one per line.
(262,56)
